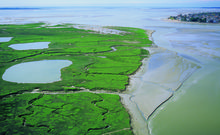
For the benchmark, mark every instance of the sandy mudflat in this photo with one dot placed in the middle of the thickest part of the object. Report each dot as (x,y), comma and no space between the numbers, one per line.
(158,78)
(138,123)
(141,99)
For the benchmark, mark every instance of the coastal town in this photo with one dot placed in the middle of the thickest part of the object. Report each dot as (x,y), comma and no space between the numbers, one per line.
(210,17)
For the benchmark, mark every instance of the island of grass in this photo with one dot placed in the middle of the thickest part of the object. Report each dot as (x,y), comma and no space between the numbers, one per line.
(100,62)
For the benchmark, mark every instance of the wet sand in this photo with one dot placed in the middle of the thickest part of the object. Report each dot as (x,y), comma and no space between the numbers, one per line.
(153,84)
(195,105)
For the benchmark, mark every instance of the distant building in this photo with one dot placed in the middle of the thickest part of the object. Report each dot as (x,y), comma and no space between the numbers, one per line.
(210,17)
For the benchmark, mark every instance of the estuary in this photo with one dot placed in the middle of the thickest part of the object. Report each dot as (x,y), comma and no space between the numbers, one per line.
(179,82)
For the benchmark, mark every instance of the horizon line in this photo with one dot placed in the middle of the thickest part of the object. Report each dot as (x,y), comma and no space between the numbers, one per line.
(39,7)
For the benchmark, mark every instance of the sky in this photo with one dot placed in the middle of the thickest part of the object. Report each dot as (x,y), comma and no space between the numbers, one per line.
(57,3)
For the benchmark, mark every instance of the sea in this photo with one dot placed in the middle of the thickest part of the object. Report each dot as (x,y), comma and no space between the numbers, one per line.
(195,105)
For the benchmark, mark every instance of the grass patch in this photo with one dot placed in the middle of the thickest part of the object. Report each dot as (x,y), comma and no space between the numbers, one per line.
(83,48)
(79,113)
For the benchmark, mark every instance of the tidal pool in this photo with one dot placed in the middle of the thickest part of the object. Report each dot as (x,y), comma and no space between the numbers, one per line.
(5,39)
(29,46)
(45,71)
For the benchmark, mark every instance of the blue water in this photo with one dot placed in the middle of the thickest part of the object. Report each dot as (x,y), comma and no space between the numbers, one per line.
(45,71)
(5,39)
(30,46)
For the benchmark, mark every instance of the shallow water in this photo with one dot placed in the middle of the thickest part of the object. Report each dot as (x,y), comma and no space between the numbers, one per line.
(162,75)
(30,46)
(45,71)
(5,39)
(194,107)
(168,70)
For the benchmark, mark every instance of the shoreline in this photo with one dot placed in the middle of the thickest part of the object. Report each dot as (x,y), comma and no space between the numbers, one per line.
(185,22)
(145,94)
(138,112)
(139,124)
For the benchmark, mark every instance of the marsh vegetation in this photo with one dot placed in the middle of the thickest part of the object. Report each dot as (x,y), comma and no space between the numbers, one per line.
(99,62)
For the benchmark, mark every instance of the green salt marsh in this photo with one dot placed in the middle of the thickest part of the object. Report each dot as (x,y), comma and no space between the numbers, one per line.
(82,48)
(79,113)
(24,112)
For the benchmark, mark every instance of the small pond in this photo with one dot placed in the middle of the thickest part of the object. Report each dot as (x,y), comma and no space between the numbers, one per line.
(5,39)
(29,46)
(45,71)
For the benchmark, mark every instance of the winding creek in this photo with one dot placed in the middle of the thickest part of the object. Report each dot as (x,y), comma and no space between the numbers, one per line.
(177,90)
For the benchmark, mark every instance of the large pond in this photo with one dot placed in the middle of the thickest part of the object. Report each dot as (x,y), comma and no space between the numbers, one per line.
(29,46)
(45,71)
(5,39)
